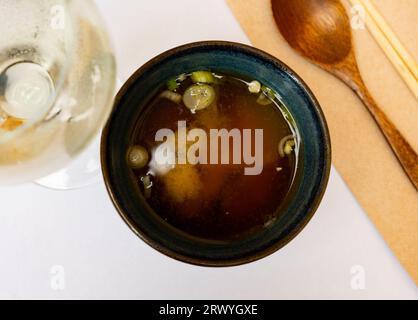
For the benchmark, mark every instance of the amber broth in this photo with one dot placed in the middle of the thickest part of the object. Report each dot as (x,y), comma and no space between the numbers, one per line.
(218,201)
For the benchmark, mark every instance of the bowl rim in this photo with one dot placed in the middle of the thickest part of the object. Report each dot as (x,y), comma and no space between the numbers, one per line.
(322,185)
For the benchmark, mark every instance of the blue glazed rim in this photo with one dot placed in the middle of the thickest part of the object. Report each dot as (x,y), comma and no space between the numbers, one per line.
(230,58)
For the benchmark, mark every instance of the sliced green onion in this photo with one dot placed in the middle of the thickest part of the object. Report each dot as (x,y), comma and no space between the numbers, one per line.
(286,146)
(254,86)
(138,157)
(203,77)
(264,100)
(268,92)
(147,184)
(182,77)
(170,95)
(198,97)
(172,84)
(267,96)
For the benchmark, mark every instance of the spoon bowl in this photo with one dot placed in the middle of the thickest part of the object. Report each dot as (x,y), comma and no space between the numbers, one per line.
(320,31)
(314,27)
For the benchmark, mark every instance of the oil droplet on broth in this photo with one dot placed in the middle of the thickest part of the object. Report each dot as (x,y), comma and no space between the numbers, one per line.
(217,201)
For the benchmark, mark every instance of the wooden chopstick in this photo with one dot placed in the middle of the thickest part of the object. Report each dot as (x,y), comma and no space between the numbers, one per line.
(392,38)
(390,44)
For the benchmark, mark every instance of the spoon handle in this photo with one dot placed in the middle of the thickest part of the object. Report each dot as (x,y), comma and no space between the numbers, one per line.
(400,146)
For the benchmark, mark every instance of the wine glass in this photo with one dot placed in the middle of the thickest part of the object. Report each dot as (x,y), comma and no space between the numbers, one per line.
(57,81)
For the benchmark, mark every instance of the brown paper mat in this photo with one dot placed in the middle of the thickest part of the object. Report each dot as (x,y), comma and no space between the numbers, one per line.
(360,152)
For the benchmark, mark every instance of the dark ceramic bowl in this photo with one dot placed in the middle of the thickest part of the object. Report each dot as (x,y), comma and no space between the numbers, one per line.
(228,58)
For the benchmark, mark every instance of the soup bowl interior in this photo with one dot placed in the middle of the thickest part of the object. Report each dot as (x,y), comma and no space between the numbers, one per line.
(236,60)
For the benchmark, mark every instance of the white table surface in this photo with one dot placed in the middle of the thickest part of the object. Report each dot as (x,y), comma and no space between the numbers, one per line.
(97,255)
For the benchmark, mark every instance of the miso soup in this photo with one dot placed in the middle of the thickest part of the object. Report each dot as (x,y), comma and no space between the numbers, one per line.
(215,155)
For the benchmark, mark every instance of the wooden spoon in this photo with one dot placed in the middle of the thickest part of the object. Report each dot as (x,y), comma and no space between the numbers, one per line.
(320,31)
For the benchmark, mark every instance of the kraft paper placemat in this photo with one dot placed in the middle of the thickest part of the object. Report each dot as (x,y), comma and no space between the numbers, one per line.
(360,153)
